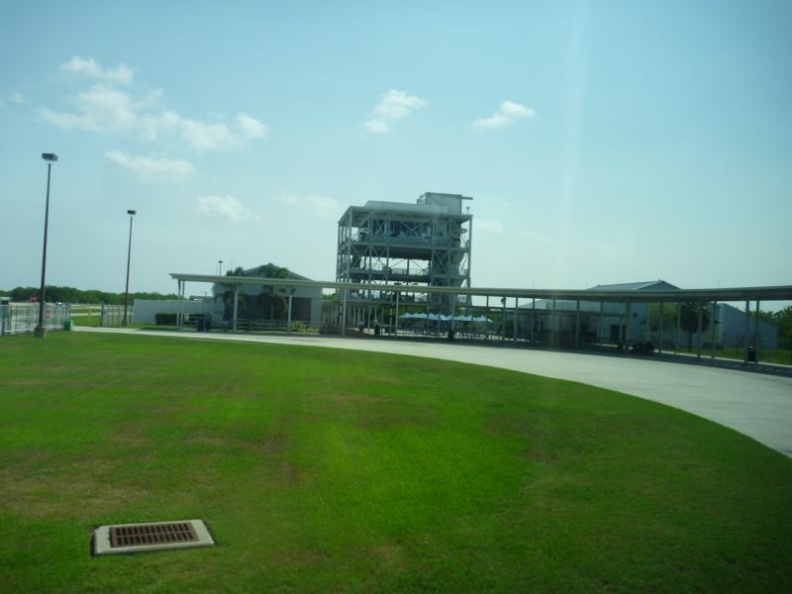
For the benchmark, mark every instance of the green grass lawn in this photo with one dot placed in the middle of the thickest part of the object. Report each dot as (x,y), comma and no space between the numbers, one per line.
(86,315)
(334,471)
(777,356)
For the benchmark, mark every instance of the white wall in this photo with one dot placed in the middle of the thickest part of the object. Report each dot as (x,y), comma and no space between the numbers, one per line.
(731,329)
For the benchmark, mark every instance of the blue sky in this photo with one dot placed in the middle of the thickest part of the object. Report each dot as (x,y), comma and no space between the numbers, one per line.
(602,142)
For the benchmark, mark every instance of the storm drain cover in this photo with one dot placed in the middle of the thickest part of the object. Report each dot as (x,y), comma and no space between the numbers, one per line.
(159,536)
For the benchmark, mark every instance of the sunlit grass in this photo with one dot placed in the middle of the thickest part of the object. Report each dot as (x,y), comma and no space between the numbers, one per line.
(776,356)
(321,470)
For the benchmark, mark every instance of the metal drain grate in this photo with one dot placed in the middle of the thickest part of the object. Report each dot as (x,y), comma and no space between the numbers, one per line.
(151,534)
(133,538)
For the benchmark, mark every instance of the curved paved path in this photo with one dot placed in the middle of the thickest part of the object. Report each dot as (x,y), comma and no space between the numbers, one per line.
(754,404)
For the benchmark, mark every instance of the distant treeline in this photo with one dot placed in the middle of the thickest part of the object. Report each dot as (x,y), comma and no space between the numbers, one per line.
(72,295)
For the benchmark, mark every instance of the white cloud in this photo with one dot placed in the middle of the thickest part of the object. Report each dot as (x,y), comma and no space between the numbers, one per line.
(122,74)
(313,204)
(377,126)
(106,109)
(496,121)
(224,207)
(15,98)
(515,110)
(99,109)
(507,114)
(250,126)
(217,136)
(208,137)
(152,125)
(397,104)
(152,168)
(393,106)
(487,225)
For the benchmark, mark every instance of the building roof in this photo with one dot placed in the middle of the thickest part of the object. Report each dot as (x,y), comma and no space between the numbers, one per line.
(265,271)
(658,285)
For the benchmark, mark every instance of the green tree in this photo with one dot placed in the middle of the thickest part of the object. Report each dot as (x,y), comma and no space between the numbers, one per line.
(664,317)
(21,294)
(783,320)
(274,301)
(72,295)
(228,295)
(689,319)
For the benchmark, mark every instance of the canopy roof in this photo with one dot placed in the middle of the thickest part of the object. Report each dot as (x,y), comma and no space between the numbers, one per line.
(773,293)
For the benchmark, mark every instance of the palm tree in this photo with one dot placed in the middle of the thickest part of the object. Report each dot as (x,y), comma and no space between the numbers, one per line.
(271,298)
(228,295)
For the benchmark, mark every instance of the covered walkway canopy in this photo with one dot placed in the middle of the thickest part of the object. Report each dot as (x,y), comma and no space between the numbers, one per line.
(346,294)
(774,293)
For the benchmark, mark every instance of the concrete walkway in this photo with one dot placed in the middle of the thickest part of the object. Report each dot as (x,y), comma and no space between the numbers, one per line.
(755,404)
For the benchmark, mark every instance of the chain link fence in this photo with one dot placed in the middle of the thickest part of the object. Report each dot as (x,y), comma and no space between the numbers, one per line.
(22,318)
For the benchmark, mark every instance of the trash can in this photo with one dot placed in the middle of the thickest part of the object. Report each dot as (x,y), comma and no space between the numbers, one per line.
(67,325)
(451,334)
(751,355)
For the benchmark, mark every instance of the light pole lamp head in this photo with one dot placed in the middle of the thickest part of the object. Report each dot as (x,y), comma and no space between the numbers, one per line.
(51,157)
(131,212)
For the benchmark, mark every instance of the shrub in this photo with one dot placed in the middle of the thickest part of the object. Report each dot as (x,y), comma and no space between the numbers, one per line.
(165,319)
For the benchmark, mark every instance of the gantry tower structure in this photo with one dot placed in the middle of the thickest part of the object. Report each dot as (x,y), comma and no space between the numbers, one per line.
(426,244)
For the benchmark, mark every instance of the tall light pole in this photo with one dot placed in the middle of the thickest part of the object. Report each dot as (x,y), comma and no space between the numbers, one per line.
(219,268)
(41,329)
(131,214)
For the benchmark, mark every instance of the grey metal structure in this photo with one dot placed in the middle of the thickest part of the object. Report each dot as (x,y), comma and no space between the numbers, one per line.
(413,246)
